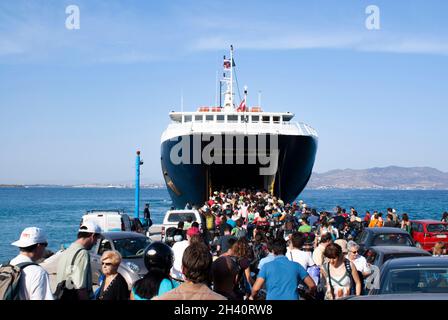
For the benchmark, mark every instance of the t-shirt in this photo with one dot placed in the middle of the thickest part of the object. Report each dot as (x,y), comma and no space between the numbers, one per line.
(304,258)
(305,228)
(178,251)
(210,221)
(313,219)
(80,274)
(223,242)
(361,264)
(231,222)
(282,278)
(34,282)
(239,232)
(167,285)
(270,257)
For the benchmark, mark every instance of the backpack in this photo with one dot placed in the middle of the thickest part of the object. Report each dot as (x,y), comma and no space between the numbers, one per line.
(10,280)
(62,291)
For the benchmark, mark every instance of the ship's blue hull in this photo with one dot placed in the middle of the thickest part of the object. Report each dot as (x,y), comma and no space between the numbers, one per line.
(193,183)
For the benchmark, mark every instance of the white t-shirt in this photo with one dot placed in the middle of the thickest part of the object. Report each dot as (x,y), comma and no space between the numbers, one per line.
(302,257)
(178,250)
(361,264)
(34,282)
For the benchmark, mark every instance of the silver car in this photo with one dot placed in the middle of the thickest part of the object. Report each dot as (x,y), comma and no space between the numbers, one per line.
(131,246)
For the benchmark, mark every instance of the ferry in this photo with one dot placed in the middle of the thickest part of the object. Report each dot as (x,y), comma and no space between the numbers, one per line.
(234,146)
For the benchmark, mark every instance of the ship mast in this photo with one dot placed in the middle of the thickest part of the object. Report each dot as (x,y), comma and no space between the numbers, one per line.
(228,80)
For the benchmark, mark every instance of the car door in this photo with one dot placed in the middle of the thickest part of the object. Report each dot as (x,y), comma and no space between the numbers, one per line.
(417,232)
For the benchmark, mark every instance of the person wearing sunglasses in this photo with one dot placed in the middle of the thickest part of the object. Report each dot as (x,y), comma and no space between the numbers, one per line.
(113,286)
(360,262)
(34,281)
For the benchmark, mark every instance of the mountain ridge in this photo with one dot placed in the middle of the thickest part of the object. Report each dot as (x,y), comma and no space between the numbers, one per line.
(391,177)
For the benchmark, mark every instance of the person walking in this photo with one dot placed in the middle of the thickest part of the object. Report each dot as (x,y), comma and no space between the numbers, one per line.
(340,275)
(34,283)
(318,253)
(281,276)
(74,275)
(178,251)
(294,252)
(405,223)
(112,286)
(225,272)
(196,266)
(147,216)
(444,217)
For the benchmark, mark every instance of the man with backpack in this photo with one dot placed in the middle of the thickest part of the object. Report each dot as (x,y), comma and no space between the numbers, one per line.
(74,275)
(29,280)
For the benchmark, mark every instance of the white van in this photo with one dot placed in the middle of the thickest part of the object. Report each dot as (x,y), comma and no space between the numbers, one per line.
(109,220)
(172,217)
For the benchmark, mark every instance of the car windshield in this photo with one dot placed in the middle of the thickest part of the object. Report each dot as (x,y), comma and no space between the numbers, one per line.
(425,280)
(131,247)
(437,227)
(181,216)
(393,239)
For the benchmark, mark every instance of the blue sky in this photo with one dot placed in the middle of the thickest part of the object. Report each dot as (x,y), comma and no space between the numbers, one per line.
(75,105)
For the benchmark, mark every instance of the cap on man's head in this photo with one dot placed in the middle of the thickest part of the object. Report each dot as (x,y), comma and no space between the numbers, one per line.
(30,236)
(193,231)
(90,227)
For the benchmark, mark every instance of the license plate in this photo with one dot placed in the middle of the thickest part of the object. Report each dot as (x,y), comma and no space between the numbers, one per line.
(441,236)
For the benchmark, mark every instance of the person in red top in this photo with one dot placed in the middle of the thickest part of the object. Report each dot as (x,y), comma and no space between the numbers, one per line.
(367,218)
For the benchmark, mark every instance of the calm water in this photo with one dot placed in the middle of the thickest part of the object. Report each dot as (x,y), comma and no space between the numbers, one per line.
(59,210)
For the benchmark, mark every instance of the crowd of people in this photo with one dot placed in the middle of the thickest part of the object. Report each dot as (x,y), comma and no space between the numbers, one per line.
(249,245)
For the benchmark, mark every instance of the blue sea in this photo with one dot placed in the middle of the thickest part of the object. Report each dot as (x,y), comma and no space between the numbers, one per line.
(59,210)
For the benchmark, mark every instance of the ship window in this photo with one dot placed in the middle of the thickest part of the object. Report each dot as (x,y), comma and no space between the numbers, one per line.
(198,118)
(232,118)
(276,119)
(266,119)
(244,119)
(208,118)
(187,118)
(255,119)
(220,118)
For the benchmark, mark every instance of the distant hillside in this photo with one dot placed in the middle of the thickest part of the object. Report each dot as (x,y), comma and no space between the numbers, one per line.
(392,177)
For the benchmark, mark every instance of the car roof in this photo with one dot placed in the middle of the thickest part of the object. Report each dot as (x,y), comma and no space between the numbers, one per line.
(397,249)
(114,235)
(112,211)
(385,230)
(417,262)
(183,211)
(429,221)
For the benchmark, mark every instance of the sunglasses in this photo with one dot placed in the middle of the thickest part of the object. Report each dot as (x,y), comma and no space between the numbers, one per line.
(354,251)
(106,263)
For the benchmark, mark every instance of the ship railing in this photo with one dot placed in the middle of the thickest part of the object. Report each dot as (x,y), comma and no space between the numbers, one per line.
(283,127)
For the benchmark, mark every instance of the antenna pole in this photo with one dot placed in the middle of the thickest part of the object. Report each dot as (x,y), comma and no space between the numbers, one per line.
(231,75)
(182,100)
(216,93)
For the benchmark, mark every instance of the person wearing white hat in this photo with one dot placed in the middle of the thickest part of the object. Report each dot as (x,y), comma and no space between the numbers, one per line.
(74,274)
(34,282)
